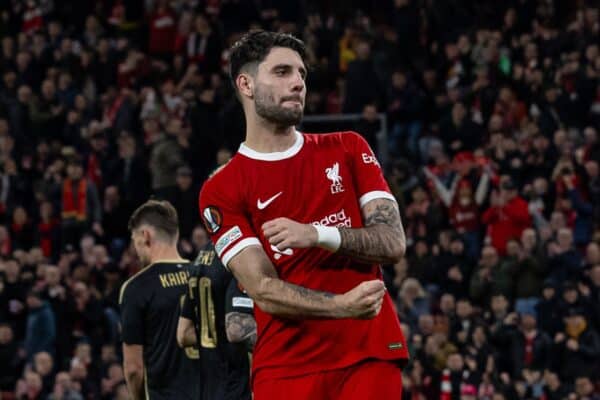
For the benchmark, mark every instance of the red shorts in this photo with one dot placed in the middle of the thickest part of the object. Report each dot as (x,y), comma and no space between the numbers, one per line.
(369,380)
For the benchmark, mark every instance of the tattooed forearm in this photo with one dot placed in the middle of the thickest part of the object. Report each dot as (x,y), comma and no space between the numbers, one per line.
(240,327)
(381,240)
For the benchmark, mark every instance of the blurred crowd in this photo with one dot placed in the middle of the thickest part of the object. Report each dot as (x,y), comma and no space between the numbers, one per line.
(492,110)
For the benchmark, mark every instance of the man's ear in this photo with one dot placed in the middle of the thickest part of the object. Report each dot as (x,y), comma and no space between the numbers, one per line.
(147,235)
(245,85)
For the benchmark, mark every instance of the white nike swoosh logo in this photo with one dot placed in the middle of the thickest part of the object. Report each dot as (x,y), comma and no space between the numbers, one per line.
(262,205)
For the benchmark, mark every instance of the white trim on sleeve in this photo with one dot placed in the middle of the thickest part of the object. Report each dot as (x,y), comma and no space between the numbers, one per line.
(376,194)
(239,246)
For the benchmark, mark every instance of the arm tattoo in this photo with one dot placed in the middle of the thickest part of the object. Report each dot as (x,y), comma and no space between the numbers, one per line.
(381,240)
(240,327)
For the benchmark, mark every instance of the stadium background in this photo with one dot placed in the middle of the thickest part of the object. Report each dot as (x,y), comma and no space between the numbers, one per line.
(492,111)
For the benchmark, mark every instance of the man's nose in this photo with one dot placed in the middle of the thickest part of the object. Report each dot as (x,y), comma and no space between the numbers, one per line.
(298,83)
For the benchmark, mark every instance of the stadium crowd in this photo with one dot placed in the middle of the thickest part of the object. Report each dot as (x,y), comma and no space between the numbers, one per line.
(493,112)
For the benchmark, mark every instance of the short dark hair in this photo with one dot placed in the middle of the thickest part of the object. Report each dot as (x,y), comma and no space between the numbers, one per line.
(254,47)
(160,215)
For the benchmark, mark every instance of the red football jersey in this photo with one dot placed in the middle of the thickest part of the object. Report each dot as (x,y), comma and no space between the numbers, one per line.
(322,179)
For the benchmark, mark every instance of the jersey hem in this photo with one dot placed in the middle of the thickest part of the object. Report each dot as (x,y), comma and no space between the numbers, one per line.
(285,372)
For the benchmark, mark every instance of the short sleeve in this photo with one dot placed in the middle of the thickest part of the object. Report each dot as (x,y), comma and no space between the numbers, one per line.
(366,170)
(225,219)
(237,300)
(132,316)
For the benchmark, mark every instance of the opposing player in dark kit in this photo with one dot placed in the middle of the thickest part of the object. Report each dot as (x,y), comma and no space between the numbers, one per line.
(155,367)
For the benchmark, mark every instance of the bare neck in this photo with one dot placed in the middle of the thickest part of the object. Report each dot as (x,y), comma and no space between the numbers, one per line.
(266,137)
(165,252)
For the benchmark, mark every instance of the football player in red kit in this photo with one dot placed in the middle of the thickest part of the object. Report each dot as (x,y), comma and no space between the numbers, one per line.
(303,222)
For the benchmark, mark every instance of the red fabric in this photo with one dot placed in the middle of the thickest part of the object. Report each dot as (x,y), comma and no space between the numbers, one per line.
(74,209)
(372,380)
(464,218)
(111,113)
(162,32)
(507,222)
(446,386)
(339,173)
(94,172)
(45,231)
(529,350)
(32,20)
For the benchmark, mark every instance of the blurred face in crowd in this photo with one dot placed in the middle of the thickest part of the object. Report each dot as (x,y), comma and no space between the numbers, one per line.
(24,94)
(48,89)
(83,352)
(455,362)
(565,238)
(399,80)
(426,323)
(33,382)
(75,171)
(584,386)
(458,113)
(447,304)
(457,247)
(108,353)
(513,248)
(6,334)
(528,239)
(52,275)
(19,216)
(184,180)
(78,370)
(592,253)
(592,168)
(499,304)
(126,147)
(419,195)
(12,270)
(570,295)
(43,363)
(421,248)
(80,291)
(199,237)
(464,309)
(479,335)
(489,257)
(557,221)
(528,322)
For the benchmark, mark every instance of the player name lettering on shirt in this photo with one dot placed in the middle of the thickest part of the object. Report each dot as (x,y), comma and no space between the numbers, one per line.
(337,219)
(171,279)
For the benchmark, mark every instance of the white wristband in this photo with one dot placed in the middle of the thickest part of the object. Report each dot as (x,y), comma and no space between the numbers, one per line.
(328,237)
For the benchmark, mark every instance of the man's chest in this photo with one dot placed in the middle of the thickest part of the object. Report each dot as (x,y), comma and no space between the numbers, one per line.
(306,190)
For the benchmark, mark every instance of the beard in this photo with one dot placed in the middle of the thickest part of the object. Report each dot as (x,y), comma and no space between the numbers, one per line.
(267,108)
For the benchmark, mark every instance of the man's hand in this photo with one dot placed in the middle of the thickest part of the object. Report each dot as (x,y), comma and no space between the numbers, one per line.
(364,300)
(285,233)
